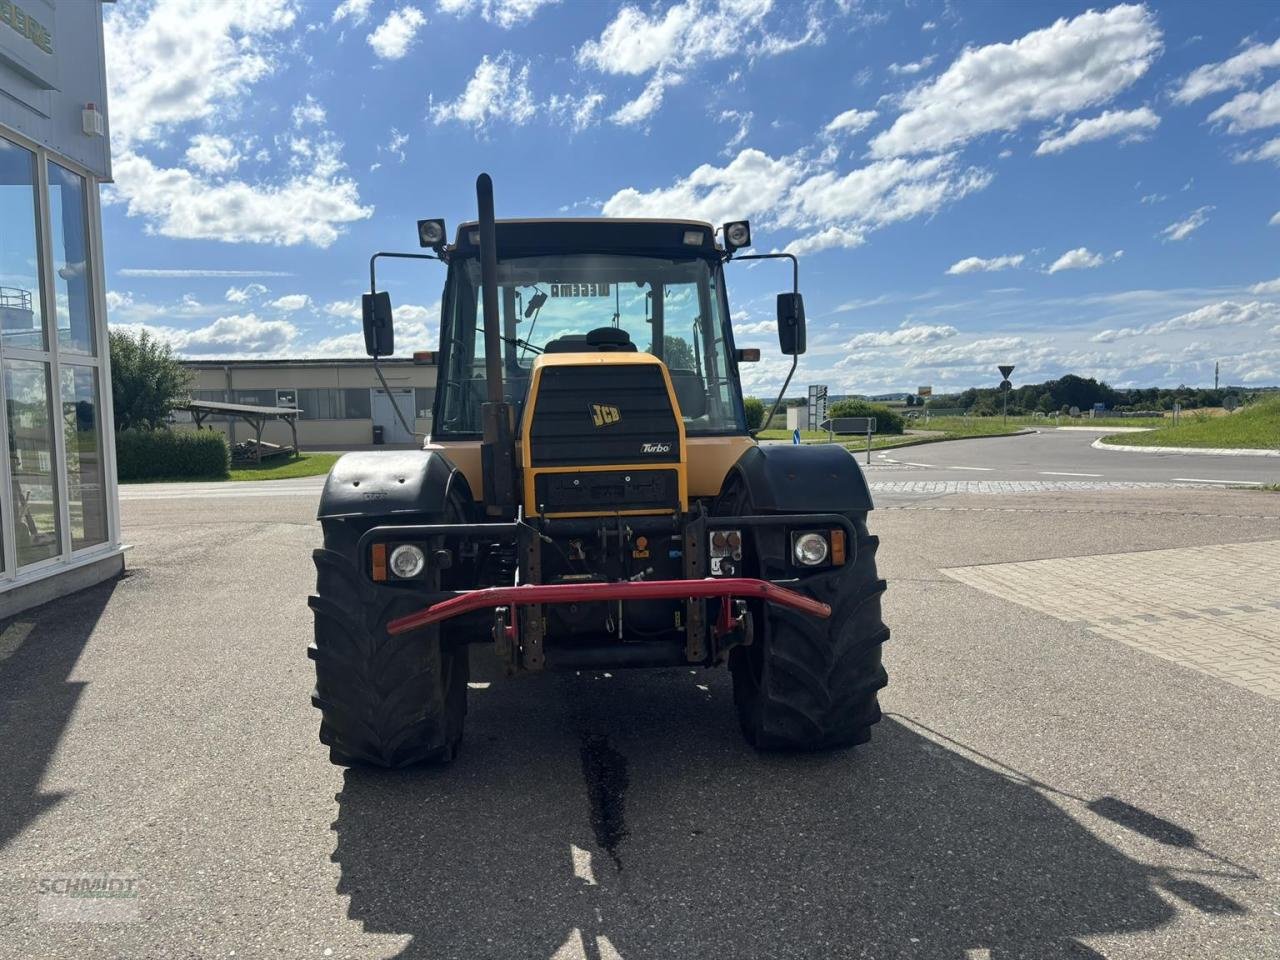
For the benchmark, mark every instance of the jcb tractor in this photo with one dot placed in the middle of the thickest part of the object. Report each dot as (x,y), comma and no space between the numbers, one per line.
(590,498)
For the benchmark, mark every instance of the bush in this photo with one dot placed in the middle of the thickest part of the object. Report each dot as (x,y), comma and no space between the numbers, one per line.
(155,454)
(886,420)
(755,412)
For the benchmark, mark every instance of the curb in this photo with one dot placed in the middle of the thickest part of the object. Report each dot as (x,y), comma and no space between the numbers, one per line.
(1203,451)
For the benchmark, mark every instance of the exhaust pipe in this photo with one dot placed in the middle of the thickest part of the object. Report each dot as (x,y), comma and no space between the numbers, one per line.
(498,449)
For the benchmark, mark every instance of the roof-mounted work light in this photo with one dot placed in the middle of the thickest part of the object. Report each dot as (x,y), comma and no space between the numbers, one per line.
(431,233)
(737,235)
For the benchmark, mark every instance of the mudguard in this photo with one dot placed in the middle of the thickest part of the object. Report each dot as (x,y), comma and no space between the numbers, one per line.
(789,478)
(390,483)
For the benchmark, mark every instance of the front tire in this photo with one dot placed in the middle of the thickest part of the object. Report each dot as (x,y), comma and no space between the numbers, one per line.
(384,701)
(811,684)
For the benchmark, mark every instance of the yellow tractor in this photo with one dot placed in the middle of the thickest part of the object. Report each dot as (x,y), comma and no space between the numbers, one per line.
(590,498)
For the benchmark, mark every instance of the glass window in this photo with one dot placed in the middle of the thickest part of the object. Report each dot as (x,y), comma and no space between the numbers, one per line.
(356,404)
(423,398)
(69,232)
(21,308)
(673,309)
(86,485)
(35,493)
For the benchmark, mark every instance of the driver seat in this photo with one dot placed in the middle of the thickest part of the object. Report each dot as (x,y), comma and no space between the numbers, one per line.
(605,339)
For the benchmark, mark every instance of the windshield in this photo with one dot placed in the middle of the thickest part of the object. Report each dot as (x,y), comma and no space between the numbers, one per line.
(673,309)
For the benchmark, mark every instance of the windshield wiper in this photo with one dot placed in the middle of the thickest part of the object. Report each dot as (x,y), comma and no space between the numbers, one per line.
(515,341)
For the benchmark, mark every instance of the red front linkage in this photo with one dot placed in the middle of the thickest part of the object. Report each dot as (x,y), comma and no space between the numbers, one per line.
(541,593)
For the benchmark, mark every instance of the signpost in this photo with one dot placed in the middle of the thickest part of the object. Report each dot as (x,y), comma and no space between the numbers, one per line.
(817,406)
(1005,386)
(865,425)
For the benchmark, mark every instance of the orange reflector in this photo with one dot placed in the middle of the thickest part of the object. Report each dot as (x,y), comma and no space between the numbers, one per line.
(379,556)
(749,355)
(837,547)
(424,356)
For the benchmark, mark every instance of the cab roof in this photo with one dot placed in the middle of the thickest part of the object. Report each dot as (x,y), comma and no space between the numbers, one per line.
(614,235)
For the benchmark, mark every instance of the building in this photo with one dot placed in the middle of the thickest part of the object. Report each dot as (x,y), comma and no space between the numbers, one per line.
(59,515)
(344,405)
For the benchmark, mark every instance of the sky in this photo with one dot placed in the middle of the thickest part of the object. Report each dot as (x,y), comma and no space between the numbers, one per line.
(1066,188)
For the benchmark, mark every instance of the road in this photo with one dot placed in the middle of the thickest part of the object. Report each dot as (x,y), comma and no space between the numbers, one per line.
(1078,759)
(1068,455)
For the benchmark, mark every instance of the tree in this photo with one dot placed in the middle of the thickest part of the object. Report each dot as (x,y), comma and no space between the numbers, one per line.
(755,412)
(677,353)
(147,381)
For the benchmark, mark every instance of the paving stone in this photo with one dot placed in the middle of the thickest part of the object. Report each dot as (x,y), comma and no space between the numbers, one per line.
(1210,609)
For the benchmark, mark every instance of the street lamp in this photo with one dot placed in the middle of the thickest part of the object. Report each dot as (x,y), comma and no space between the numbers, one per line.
(1005,386)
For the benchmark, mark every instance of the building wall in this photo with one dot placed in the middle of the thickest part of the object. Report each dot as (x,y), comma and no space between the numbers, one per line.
(314,433)
(49,71)
(59,511)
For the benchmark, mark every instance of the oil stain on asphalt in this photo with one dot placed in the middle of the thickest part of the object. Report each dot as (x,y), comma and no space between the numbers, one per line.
(604,770)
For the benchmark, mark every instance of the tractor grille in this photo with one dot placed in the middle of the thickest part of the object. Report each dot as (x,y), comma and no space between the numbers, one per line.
(603,414)
(606,491)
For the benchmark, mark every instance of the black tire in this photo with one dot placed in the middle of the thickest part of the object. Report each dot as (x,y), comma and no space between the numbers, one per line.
(384,701)
(811,684)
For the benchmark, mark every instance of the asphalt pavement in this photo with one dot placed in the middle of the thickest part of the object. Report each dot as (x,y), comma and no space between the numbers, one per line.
(1036,789)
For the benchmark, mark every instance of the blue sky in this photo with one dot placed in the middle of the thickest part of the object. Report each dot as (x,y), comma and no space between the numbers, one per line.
(1067,188)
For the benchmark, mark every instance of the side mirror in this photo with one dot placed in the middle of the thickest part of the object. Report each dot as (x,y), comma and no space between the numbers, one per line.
(379,338)
(791,323)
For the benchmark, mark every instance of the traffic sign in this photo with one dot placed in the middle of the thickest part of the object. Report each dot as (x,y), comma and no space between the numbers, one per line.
(1005,369)
(1006,385)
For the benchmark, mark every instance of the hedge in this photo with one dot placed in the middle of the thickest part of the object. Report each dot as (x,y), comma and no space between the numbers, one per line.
(886,420)
(154,454)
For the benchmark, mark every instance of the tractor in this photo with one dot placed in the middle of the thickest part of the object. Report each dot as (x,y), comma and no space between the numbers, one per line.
(590,498)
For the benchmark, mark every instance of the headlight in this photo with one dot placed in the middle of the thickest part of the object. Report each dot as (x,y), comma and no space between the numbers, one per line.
(737,235)
(407,561)
(809,549)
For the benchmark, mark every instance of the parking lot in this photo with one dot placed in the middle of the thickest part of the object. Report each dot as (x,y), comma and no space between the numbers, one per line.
(1042,785)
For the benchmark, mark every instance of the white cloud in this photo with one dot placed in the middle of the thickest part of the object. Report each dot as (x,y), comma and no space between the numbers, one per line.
(357,11)
(743,120)
(309,111)
(852,121)
(242,294)
(988,351)
(645,105)
(213,154)
(1066,67)
(829,208)
(910,69)
(979,265)
(308,208)
(579,112)
(392,38)
(212,53)
(1266,287)
(1131,124)
(348,309)
(1225,313)
(1268,151)
(505,13)
(117,300)
(1275,220)
(234,336)
(902,336)
(1251,110)
(497,90)
(291,302)
(1184,228)
(1230,74)
(1081,258)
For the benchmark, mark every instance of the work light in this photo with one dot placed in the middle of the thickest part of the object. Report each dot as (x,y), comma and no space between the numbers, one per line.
(737,235)
(431,233)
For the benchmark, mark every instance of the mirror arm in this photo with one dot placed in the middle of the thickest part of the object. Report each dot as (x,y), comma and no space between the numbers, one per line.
(373,275)
(795,359)
(795,265)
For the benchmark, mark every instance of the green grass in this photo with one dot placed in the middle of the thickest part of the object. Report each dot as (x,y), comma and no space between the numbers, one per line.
(306,465)
(1255,427)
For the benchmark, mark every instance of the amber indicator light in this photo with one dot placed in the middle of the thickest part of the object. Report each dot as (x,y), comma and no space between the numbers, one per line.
(379,557)
(837,547)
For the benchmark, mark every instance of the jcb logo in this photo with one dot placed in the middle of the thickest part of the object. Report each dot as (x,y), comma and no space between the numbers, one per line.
(602,415)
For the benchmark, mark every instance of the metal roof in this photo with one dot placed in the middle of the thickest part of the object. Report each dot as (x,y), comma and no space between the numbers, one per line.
(217,406)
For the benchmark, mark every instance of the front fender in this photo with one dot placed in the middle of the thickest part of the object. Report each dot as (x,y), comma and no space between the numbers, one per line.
(389,483)
(815,478)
